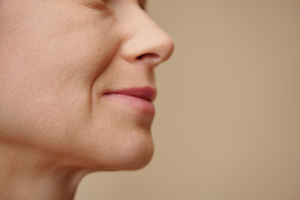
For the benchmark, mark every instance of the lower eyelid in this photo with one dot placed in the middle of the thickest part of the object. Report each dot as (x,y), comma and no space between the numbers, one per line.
(142,4)
(98,4)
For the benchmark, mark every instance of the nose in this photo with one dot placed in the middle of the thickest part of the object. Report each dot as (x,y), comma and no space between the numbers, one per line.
(145,40)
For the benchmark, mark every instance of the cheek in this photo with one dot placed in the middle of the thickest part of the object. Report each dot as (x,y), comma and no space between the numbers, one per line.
(47,69)
(54,40)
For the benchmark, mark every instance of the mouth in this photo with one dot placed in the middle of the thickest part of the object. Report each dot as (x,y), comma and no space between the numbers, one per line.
(145,93)
(139,98)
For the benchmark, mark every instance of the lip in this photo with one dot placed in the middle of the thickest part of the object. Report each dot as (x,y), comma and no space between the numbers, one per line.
(140,98)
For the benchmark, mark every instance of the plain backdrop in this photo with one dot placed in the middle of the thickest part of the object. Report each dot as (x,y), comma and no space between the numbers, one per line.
(228,107)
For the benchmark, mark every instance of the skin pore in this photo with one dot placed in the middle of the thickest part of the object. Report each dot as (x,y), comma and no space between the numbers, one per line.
(61,61)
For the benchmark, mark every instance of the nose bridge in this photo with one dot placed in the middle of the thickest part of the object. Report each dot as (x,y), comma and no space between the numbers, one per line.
(146,40)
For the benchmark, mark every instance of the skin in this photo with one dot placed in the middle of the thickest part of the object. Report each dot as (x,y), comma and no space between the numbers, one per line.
(58,58)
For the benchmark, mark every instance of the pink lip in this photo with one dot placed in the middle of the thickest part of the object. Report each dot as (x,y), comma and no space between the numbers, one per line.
(146,93)
(140,98)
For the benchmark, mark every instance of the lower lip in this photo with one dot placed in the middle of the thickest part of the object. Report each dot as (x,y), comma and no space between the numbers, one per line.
(138,103)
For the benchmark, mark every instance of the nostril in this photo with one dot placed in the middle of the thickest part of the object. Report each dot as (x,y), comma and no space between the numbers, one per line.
(148,56)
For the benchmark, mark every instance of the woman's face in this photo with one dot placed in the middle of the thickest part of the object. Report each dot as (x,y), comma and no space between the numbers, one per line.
(76,79)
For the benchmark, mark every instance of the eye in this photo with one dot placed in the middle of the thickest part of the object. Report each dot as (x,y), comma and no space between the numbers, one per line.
(96,4)
(100,4)
(142,4)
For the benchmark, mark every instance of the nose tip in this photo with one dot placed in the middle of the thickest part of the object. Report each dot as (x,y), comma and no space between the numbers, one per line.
(167,48)
(149,44)
(157,52)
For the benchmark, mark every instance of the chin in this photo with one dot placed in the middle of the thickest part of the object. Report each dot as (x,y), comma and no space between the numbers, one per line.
(137,160)
(133,151)
(135,154)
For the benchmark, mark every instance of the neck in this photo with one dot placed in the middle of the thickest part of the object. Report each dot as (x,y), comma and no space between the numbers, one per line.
(26,174)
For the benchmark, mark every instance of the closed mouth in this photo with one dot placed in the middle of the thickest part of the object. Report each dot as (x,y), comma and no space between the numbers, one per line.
(146,93)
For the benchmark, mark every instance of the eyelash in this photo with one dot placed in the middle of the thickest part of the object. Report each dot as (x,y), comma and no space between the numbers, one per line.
(142,5)
(98,4)
(103,4)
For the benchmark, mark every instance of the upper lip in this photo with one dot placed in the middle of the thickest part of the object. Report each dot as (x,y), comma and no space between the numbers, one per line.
(148,93)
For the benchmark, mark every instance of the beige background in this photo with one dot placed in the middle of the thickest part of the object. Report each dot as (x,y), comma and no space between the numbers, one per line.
(228,110)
